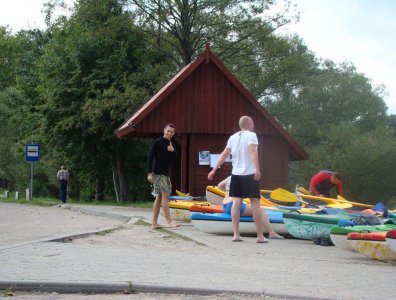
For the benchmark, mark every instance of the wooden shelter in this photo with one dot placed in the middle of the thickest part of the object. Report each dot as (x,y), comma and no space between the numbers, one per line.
(205,101)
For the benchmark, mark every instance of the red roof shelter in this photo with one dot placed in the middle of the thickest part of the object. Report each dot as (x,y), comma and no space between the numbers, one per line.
(205,101)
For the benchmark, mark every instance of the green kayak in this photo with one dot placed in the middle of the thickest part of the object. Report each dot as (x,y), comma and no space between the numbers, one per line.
(312,226)
(339,234)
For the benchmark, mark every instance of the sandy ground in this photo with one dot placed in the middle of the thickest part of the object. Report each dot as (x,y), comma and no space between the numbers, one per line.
(29,222)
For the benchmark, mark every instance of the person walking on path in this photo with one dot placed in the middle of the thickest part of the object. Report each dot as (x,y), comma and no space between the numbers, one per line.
(161,154)
(246,209)
(63,177)
(245,175)
(322,182)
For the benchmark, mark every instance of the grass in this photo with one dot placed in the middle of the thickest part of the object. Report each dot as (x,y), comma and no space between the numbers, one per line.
(141,222)
(139,204)
(8,292)
(47,201)
(168,233)
(173,235)
(35,201)
(104,232)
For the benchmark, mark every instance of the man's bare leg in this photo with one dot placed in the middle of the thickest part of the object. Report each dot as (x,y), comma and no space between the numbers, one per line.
(267,225)
(165,209)
(156,211)
(257,217)
(235,216)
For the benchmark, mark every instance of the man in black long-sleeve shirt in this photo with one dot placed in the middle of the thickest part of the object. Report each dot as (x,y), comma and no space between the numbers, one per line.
(161,155)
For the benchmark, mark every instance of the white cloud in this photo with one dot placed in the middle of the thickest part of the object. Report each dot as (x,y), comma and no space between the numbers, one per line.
(359,31)
(18,14)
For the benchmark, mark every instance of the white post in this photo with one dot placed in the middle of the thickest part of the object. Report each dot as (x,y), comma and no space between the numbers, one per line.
(16,195)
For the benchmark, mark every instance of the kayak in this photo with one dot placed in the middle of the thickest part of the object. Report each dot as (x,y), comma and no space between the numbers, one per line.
(281,195)
(207,208)
(221,223)
(216,196)
(355,206)
(185,204)
(313,200)
(372,245)
(312,226)
(180,209)
(339,234)
(391,239)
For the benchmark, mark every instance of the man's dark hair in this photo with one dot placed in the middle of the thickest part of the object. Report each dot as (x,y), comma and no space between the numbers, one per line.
(337,175)
(170,125)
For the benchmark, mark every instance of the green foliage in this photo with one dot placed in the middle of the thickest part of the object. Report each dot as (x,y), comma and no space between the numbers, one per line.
(69,87)
(366,161)
(180,29)
(95,72)
(335,94)
(18,106)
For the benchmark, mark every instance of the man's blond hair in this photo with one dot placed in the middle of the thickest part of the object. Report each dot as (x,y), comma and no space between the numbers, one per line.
(244,122)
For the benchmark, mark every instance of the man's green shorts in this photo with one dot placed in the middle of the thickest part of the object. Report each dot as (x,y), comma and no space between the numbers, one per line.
(162,183)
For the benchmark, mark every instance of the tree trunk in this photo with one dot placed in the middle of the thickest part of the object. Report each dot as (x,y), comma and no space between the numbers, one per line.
(122,182)
(116,185)
(99,189)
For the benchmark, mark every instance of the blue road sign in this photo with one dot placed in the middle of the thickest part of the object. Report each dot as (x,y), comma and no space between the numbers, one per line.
(32,152)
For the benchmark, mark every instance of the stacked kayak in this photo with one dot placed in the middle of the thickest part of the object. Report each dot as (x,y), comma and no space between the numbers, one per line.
(312,226)
(221,224)
(180,209)
(339,234)
(391,239)
(206,208)
(373,245)
(355,206)
(216,196)
(309,199)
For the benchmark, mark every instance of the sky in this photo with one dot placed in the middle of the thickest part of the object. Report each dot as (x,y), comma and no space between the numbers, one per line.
(358,31)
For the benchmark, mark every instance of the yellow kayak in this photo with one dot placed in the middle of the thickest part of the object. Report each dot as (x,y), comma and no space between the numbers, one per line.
(305,194)
(185,204)
(215,195)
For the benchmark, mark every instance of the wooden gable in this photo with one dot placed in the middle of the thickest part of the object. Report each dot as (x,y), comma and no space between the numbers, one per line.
(205,101)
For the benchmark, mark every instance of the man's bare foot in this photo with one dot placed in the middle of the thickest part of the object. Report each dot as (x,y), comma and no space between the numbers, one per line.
(171,225)
(276,236)
(237,238)
(157,226)
(262,241)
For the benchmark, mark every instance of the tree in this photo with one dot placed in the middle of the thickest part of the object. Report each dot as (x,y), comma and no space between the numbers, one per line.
(335,94)
(182,28)
(96,70)
(18,106)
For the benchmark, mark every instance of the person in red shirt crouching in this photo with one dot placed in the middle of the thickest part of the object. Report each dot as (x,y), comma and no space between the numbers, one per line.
(322,182)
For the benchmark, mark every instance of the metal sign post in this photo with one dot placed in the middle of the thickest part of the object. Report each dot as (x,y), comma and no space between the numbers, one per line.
(32,155)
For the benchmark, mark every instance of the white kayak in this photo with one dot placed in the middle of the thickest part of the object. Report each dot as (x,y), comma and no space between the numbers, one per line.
(222,224)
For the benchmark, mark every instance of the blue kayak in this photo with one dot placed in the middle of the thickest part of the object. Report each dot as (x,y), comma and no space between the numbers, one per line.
(217,223)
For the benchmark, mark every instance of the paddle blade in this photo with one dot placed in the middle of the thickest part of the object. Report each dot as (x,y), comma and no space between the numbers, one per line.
(303,190)
(339,205)
(283,195)
(341,199)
